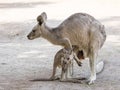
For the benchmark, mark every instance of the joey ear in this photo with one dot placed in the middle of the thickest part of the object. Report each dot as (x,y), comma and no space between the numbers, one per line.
(64,50)
(42,18)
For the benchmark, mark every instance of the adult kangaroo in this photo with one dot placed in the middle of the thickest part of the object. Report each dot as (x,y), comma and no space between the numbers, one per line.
(79,29)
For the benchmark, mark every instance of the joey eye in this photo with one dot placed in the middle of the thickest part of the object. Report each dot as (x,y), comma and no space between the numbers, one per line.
(68,58)
(64,62)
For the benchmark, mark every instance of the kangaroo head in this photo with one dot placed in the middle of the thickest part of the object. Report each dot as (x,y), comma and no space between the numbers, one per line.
(66,59)
(37,29)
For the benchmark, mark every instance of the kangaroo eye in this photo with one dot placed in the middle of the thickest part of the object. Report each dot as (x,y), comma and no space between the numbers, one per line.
(33,31)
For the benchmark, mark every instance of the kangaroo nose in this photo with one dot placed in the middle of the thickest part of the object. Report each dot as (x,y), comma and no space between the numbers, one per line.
(28,37)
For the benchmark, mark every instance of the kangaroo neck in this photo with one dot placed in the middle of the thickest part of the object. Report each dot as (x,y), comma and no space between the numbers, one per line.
(49,35)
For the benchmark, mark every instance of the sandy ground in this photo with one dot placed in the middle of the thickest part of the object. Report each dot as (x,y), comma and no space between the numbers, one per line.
(22,60)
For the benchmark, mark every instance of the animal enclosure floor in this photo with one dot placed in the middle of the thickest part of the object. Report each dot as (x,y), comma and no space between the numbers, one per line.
(23,61)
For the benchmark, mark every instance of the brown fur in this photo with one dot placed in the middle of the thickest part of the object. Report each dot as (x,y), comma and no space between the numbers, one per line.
(80,55)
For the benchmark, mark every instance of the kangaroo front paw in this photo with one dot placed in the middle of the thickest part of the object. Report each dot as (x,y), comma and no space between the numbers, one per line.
(79,63)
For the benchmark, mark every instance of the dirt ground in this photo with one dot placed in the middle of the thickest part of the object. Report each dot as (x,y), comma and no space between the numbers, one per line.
(22,60)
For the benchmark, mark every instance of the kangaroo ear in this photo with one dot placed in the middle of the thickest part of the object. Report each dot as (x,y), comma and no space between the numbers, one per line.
(42,18)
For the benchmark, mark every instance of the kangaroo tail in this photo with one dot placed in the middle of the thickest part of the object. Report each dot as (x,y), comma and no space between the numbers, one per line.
(100,67)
